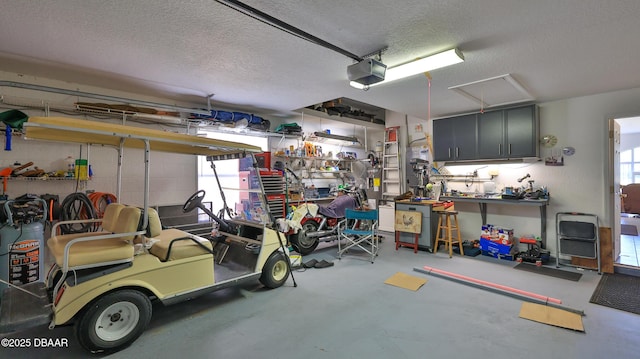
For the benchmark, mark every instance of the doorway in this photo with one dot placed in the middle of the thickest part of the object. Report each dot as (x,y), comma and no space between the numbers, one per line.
(624,159)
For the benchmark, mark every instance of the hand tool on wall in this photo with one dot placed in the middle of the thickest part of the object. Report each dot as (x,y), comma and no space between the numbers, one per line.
(36,172)
(7,138)
(524,177)
(16,170)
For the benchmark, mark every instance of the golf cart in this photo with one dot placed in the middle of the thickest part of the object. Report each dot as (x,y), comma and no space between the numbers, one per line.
(103,282)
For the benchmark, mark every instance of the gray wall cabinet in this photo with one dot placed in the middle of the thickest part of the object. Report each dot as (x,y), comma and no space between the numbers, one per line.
(455,138)
(505,134)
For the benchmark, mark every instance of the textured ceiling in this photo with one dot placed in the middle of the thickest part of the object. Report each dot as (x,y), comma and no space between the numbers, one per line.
(188,49)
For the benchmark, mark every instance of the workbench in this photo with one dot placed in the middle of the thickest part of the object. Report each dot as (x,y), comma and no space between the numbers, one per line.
(483,201)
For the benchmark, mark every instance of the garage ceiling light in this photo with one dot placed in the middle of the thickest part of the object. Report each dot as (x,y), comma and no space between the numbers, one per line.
(422,65)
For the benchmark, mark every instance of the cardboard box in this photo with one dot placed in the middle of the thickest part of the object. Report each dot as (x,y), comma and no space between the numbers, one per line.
(497,234)
(505,236)
(487,231)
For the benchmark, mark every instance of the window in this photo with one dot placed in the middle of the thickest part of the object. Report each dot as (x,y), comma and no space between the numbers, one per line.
(227,170)
(630,166)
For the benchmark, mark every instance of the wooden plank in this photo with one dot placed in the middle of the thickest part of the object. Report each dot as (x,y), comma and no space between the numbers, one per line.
(606,253)
(406,281)
(552,316)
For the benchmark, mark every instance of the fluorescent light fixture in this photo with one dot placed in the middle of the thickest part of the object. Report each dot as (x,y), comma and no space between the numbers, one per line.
(422,65)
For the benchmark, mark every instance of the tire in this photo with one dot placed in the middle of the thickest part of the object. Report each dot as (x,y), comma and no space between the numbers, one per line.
(303,244)
(52,280)
(114,321)
(275,271)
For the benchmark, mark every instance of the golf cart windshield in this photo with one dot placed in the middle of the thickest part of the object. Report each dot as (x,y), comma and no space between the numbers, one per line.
(245,190)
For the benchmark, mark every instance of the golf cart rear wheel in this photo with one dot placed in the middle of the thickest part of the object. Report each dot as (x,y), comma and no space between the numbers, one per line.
(114,321)
(275,271)
(301,242)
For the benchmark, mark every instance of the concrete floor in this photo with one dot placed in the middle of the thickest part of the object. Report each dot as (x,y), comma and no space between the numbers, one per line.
(346,311)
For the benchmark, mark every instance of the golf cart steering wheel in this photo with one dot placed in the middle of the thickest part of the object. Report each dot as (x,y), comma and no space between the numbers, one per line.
(195,201)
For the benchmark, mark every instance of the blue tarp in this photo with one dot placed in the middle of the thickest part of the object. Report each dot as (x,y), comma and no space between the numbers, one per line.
(226,116)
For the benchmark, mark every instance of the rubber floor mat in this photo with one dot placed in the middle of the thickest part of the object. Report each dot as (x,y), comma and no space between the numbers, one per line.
(618,291)
(552,272)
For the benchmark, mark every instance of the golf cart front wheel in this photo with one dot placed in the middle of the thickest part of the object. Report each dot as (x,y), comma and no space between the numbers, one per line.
(275,271)
(114,321)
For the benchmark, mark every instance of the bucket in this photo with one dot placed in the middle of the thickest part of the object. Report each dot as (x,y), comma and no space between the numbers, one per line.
(437,189)
(489,187)
(371,202)
(81,170)
(378,147)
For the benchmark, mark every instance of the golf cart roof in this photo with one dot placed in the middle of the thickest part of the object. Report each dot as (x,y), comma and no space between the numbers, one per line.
(102,133)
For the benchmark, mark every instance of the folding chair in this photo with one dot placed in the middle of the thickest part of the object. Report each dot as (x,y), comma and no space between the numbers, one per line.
(358,229)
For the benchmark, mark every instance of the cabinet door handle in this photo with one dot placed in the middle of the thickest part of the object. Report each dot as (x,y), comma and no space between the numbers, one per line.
(499,148)
(449,149)
(509,148)
(457,152)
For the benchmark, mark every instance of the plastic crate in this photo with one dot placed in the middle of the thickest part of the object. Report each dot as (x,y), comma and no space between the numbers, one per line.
(469,250)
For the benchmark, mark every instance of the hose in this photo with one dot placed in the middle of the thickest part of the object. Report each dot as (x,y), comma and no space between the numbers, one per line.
(100,200)
(77,206)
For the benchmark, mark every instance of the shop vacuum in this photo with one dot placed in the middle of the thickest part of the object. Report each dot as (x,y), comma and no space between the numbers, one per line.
(22,241)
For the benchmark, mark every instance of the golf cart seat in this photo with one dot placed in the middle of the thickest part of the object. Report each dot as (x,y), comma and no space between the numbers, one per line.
(95,250)
(173,244)
(107,224)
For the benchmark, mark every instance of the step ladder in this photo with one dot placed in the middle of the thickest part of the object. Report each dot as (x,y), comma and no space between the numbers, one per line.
(391,165)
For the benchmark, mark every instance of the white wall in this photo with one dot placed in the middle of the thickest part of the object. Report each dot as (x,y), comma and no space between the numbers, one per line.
(368,136)
(629,141)
(173,177)
(580,185)
(583,185)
